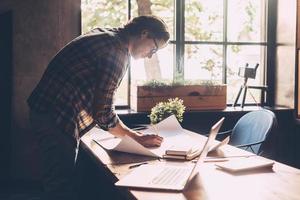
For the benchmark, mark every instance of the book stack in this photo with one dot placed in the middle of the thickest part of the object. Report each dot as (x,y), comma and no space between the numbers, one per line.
(182,152)
(189,152)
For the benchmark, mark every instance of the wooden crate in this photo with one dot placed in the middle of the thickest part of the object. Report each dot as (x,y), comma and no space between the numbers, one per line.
(195,97)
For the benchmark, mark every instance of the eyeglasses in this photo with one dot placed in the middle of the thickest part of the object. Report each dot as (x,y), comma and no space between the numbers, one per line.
(154,50)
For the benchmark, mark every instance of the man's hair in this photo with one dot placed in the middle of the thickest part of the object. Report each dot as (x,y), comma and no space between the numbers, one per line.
(156,27)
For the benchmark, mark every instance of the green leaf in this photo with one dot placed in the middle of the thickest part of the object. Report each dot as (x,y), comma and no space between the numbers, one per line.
(163,110)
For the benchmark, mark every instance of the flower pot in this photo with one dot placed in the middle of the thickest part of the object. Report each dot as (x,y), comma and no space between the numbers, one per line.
(195,97)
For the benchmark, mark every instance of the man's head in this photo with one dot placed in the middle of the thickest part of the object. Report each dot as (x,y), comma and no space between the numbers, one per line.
(146,34)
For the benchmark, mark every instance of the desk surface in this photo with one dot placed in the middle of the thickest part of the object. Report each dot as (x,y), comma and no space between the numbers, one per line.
(283,182)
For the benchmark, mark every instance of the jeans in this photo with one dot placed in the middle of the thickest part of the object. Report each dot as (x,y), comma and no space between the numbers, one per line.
(58,152)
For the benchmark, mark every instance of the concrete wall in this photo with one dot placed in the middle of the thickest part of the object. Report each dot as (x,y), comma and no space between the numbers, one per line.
(40,29)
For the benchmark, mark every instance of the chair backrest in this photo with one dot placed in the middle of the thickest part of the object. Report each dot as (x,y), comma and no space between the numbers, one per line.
(253,127)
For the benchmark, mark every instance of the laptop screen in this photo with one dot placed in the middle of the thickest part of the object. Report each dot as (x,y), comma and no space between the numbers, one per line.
(212,135)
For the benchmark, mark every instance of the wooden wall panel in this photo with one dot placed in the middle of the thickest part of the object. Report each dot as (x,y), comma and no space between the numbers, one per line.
(298,83)
(298,24)
(297,97)
(40,29)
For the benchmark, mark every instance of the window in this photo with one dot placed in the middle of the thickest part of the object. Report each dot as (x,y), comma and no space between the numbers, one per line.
(210,40)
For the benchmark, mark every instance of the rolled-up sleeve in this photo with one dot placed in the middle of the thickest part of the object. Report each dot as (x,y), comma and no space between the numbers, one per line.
(111,69)
(107,118)
(104,109)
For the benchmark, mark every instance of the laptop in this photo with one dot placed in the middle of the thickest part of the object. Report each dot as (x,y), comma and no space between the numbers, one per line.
(168,176)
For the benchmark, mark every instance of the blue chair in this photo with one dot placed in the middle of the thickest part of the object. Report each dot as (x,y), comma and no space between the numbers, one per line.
(251,130)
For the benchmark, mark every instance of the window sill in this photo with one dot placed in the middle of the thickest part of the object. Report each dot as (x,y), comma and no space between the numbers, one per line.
(229,109)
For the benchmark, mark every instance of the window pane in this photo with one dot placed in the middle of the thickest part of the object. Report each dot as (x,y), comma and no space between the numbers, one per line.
(161,8)
(107,13)
(203,62)
(246,20)
(104,13)
(238,56)
(160,67)
(203,20)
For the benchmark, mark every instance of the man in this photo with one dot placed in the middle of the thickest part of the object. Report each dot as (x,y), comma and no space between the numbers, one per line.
(76,93)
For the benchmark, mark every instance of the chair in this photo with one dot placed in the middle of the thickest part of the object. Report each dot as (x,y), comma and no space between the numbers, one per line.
(251,130)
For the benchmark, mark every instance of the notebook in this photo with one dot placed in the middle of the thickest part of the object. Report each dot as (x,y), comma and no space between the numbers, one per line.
(246,164)
(168,176)
(185,153)
(188,156)
(180,149)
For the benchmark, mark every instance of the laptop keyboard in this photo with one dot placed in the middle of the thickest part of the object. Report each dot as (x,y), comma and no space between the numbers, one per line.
(170,176)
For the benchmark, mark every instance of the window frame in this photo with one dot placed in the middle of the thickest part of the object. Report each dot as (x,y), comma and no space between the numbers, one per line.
(180,41)
(179,45)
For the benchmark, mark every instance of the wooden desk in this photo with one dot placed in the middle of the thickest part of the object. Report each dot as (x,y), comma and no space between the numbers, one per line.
(283,182)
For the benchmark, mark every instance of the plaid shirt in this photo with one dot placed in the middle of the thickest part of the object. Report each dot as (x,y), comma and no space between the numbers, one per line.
(78,86)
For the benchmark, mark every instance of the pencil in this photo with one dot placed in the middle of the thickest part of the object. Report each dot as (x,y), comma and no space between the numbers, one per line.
(137,165)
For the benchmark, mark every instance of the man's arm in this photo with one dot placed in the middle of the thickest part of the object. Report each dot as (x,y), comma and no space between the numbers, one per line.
(103,107)
(146,140)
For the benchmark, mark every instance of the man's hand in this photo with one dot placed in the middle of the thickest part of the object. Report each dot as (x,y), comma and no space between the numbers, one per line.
(148,140)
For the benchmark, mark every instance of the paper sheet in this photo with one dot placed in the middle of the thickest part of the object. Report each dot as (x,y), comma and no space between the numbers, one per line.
(169,129)
(222,143)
